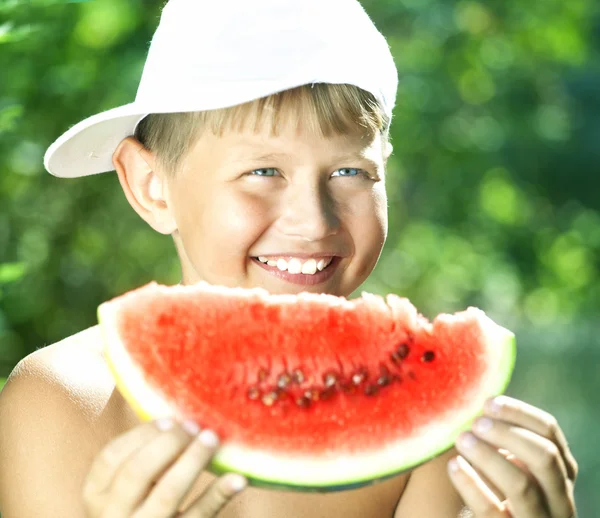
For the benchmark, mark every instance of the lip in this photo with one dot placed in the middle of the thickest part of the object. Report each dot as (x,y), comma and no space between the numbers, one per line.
(288,256)
(300,278)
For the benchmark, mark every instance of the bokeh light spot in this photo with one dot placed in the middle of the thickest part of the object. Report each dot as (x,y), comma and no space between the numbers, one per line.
(501,200)
(541,306)
(476,86)
(552,122)
(104,23)
(472,17)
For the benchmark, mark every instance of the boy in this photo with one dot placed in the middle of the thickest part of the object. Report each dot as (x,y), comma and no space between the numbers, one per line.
(258,141)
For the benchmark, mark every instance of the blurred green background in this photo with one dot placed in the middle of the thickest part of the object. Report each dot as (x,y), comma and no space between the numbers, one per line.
(494,183)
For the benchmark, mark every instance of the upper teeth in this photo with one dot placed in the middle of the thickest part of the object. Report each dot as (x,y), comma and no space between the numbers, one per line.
(294,265)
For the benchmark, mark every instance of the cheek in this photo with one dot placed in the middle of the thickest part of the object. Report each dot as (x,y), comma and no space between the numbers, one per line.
(381,204)
(368,228)
(369,217)
(221,226)
(244,214)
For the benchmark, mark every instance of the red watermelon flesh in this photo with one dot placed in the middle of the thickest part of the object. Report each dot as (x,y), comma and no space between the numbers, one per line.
(306,390)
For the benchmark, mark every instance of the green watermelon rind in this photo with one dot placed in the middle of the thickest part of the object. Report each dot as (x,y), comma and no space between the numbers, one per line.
(305,474)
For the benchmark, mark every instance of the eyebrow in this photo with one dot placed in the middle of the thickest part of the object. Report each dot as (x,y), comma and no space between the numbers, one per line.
(355,156)
(268,157)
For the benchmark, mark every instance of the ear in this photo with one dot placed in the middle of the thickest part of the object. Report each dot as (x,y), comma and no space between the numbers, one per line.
(144,186)
(387,151)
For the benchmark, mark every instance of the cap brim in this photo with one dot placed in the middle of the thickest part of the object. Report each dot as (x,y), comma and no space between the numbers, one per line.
(87,147)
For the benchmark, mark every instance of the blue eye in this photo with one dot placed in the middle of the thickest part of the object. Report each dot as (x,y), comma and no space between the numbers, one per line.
(268,172)
(348,171)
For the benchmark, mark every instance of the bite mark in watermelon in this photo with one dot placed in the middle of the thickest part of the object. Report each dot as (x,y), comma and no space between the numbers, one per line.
(311,392)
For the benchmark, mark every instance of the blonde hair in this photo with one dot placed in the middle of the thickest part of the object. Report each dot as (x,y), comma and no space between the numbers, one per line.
(326,109)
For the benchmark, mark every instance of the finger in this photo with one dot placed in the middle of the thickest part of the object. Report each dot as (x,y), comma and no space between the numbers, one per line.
(474,492)
(106,463)
(137,474)
(492,487)
(521,490)
(218,494)
(535,419)
(170,491)
(512,458)
(541,456)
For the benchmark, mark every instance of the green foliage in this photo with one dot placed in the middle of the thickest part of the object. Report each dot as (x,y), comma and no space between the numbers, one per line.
(11,272)
(493,185)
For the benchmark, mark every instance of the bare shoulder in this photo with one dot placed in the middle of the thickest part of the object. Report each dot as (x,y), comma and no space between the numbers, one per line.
(68,377)
(429,492)
(64,362)
(57,409)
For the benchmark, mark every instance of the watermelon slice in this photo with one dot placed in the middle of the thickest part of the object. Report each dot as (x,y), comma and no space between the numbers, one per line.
(310,392)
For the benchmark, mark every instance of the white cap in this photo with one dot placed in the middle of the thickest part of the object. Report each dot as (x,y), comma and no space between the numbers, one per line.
(208,54)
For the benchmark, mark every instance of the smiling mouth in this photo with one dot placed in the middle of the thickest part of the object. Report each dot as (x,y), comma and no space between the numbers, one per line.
(296,265)
(292,269)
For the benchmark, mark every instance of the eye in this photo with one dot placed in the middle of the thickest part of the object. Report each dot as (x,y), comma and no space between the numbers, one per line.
(267,172)
(349,171)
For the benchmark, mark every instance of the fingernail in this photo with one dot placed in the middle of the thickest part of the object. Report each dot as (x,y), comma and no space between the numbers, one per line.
(482,425)
(453,466)
(493,406)
(190,427)
(208,438)
(467,440)
(164,423)
(237,483)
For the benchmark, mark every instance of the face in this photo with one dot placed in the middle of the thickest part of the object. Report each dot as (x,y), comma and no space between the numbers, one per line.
(292,212)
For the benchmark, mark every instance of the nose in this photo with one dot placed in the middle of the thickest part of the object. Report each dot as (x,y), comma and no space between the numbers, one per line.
(308,212)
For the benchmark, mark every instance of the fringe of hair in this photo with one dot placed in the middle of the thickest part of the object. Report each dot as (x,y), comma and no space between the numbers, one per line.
(324,109)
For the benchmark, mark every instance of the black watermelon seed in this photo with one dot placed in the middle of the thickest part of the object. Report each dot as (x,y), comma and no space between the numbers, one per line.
(359,376)
(384,380)
(253,393)
(371,390)
(269,398)
(303,402)
(262,374)
(297,376)
(281,394)
(348,388)
(428,356)
(284,380)
(357,379)
(327,393)
(330,379)
(403,351)
(312,394)
(395,357)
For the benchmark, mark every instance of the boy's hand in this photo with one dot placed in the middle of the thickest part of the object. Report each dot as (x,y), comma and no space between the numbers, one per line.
(148,471)
(515,464)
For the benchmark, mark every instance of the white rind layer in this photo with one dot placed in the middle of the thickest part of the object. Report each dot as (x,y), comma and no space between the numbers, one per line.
(339,468)
(146,401)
